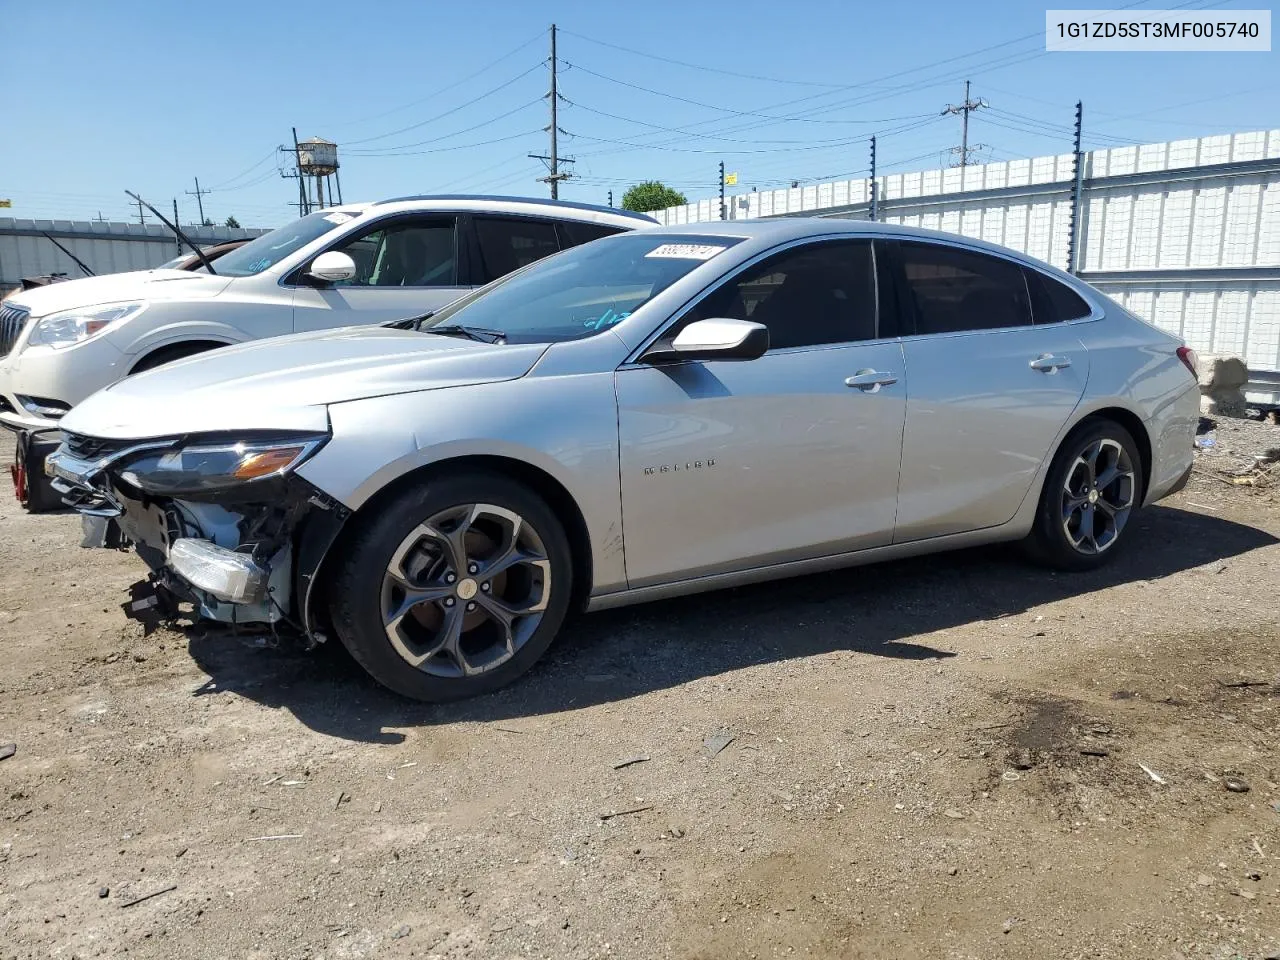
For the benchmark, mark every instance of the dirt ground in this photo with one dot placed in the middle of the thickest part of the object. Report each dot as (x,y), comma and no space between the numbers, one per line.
(959,757)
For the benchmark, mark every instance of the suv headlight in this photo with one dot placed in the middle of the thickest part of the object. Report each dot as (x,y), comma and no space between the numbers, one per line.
(210,467)
(70,327)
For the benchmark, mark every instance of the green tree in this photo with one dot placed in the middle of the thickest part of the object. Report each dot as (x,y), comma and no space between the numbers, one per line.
(651,195)
(233,223)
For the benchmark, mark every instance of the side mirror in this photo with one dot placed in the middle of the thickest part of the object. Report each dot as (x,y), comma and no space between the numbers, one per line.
(716,338)
(332,267)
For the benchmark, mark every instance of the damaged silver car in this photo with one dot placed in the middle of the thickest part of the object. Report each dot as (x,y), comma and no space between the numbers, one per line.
(655,413)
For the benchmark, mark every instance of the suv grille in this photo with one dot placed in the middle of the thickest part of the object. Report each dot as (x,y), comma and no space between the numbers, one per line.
(12,320)
(92,448)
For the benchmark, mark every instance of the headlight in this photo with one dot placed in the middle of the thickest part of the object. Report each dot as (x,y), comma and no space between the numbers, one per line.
(69,327)
(201,468)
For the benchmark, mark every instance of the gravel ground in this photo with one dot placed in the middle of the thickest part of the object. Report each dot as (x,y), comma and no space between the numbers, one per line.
(959,756)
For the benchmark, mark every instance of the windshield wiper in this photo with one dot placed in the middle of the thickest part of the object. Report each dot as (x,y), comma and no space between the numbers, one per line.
(410,323)
(481,334)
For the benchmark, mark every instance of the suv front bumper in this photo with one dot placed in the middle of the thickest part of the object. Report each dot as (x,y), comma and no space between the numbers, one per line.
(65,376)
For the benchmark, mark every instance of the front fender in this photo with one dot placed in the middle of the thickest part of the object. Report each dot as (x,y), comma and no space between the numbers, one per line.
(566,426)
(136,342)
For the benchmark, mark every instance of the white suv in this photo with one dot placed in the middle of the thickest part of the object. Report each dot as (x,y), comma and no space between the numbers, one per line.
(355,263)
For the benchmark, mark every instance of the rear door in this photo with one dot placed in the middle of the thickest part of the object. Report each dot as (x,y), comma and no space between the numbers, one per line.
(405,265)
(508,243)
(989,388)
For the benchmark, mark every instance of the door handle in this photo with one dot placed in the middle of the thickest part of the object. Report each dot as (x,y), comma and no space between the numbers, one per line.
(1048,363)
(869,381)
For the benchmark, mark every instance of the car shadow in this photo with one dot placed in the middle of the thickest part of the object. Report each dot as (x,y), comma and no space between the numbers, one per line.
(613,655)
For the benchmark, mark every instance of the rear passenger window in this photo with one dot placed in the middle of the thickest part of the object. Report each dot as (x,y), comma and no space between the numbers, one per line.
(575,232)
(1052,301)
(507,245)
(954,290)
(819,293)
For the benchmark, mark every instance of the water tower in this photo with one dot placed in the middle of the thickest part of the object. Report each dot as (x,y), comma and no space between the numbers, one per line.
(319,158)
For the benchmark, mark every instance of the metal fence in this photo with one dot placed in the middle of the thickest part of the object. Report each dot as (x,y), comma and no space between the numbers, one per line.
(104,246)
(1186,233)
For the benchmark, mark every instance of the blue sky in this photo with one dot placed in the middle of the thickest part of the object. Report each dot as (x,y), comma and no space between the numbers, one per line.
(435,96)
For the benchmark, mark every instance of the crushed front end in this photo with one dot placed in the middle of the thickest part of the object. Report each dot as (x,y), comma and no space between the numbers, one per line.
(221,521)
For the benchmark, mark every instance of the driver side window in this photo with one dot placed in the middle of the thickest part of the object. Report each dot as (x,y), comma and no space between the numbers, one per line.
(813,294)
(412,253)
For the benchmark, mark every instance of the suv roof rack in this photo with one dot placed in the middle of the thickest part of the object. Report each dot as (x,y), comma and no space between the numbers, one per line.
(487,198)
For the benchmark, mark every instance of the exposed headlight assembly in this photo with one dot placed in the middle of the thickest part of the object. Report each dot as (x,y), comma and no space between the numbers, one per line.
(210,467)
(70,327)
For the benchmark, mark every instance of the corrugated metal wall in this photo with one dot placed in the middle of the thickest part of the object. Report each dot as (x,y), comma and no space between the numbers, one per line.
(105,246)
(1184,233)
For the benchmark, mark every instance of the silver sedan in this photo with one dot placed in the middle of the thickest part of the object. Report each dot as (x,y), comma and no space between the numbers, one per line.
(655,413)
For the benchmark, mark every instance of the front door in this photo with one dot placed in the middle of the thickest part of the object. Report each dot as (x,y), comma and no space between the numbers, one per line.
(732,465)
(404,267)
(990,389)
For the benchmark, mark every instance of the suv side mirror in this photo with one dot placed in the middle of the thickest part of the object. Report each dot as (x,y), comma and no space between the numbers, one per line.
(332,267)
(716,338)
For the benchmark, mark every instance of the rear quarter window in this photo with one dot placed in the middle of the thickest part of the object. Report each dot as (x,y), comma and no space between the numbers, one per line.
(1053,301)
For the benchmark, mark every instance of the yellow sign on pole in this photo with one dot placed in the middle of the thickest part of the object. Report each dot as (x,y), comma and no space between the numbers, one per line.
(6,203)
(730,179)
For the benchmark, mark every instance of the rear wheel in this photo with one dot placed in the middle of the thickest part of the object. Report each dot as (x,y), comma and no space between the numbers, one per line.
(454,589)
(1092,489)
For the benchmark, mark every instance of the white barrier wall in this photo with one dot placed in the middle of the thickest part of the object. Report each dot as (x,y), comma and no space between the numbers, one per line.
(1184,233)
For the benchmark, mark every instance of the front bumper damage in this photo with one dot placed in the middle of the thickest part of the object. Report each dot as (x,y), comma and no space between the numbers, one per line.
(245,558)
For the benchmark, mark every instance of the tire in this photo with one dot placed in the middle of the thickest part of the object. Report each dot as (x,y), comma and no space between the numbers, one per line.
(1081,523)
(427,534)
(176,351)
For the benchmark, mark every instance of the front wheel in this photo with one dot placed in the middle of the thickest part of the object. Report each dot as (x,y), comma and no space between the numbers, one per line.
(1092,489)
(454,589)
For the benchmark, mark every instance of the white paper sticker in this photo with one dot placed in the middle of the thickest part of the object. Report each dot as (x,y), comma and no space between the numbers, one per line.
(686,251)
(339,217)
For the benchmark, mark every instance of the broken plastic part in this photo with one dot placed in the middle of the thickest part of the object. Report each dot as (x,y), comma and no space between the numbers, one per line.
(226,575)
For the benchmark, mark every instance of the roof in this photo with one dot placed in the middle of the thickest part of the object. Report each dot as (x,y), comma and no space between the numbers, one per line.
(525,201)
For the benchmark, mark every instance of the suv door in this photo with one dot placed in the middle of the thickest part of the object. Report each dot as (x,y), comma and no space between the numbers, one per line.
(509,243)
(405,265)
(731,465)
(990,389)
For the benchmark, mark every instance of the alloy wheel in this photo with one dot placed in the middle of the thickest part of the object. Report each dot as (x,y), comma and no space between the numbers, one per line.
(1097,496)
(465,590)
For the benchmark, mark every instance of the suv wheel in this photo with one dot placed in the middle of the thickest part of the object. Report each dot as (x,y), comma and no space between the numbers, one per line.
(454,589)
(1093,487)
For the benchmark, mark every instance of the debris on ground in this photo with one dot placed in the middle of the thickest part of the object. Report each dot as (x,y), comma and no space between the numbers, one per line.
(629,761)
(625,813)
(1235,783)
(149,896)
(1153,775)
(717,742)
(7,750)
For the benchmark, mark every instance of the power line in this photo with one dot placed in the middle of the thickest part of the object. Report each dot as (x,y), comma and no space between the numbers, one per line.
(393,149)
(457,83)
(964,109)
(699,66)
(450,112)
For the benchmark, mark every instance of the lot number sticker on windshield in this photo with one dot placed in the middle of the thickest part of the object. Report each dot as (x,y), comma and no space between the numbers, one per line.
(339,217)
(685,251)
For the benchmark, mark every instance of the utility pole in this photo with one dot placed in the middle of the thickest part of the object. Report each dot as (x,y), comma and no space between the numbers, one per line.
(142,219)
(611,198)
(553,161)
(964,109)
(722,210)
(1077,191)
(304,205)
(199,195)
(874,211)
(176,240)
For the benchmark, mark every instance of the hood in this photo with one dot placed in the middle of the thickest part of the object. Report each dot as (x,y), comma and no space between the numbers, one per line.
(117,287)
(285,383)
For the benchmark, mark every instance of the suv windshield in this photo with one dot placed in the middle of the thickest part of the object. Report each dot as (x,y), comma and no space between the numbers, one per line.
(270,248)
(584,290)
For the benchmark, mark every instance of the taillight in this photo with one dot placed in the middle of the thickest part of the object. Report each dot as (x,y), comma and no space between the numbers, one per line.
(1190,360)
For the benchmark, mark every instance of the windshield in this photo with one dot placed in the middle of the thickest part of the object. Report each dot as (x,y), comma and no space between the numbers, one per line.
(270,248)
(585,289)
